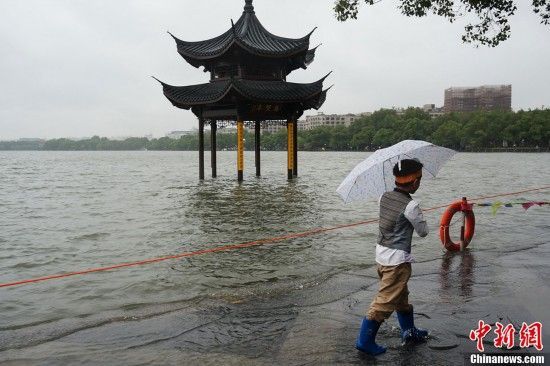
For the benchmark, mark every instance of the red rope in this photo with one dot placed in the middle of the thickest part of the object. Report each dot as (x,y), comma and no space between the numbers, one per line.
(229,247)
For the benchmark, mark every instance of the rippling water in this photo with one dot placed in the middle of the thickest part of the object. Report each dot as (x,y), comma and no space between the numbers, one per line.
(65,211)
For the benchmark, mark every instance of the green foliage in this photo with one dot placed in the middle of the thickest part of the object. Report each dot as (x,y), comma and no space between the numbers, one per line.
(21,145)
(96,143)
(491,28)
(460,131)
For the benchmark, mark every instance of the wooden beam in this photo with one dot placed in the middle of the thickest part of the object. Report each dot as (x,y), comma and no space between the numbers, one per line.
(201,148)
(220,113)
(257,142)
(240,149)
(213,130)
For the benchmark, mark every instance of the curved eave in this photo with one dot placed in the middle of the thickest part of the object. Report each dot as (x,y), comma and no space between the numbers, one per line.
(186,97)
(194,57)
(249,34)
(299,61)
(316,104)
(277,91)
(310,57)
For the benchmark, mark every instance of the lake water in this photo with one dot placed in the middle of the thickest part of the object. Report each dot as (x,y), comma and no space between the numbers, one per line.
(65,211)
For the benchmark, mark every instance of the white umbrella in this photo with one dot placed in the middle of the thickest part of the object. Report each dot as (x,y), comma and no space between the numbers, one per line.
(374,176)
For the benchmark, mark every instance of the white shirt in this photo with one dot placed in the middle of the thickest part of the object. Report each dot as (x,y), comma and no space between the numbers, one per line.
(392,257)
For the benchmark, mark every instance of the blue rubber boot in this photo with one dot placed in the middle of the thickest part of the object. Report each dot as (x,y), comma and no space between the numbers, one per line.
(365,339)
(409,333)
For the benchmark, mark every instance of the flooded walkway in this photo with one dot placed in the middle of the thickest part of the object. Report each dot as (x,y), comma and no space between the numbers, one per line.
(310,323)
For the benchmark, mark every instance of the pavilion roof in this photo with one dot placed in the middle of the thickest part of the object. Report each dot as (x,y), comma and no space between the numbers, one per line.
(311,95)
(249,34)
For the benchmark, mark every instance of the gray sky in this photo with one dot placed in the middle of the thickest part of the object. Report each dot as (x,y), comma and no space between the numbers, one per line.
(71,68)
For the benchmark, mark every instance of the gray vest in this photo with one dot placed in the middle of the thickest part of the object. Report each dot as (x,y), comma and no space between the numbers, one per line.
(395,230)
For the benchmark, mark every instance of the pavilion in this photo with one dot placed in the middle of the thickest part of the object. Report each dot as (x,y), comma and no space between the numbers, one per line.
(248,68)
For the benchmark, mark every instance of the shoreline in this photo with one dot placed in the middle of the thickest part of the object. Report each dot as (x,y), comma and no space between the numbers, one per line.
(495,150)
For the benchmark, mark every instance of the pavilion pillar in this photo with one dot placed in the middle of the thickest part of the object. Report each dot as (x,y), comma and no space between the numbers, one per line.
(240,149)
(201,148)
(213,129)
(290,148)
(295,145)
(257,146)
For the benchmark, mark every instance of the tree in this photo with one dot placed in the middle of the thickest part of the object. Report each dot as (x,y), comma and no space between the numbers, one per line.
(493,15)
(384,137)
(340,138)
(362,139)
(448,134)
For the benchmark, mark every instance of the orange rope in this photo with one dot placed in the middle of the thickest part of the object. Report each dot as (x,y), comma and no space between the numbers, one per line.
(229,247)
(510,194)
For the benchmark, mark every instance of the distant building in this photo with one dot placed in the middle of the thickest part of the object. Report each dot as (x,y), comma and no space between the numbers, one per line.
(177,134)
(331,120)
(432,110)
(399,110)
(119,138)
(487,97)
(226,130)
(275,127)
(31,139)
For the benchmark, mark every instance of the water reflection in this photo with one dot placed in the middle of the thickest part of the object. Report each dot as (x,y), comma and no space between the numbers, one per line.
(461,278)
(223,211)
(251,208)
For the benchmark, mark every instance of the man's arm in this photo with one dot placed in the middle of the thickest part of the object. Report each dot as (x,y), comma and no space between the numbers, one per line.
(413,213)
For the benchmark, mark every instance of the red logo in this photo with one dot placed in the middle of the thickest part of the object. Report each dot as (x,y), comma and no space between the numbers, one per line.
(479,333)
(505,335)
(529,335)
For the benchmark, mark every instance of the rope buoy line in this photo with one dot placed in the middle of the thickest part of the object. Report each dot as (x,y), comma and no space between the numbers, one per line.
(231,246)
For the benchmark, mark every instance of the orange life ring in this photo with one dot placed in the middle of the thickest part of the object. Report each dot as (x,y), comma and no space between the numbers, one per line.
(469,224)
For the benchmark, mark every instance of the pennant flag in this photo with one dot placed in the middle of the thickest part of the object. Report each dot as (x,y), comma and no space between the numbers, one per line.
(528,205)
(495,207)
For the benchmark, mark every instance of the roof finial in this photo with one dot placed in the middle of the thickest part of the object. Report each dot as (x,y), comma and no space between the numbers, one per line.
(249,8)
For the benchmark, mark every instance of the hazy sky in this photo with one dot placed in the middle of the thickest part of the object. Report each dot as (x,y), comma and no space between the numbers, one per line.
(71,68)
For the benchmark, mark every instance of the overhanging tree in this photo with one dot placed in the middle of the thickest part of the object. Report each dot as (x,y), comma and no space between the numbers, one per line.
(491,28)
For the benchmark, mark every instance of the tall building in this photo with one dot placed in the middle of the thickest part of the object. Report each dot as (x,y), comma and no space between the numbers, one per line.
(486,97)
